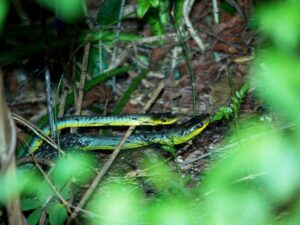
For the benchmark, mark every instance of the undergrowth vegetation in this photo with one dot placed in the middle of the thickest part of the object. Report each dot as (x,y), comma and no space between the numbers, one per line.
(255,180)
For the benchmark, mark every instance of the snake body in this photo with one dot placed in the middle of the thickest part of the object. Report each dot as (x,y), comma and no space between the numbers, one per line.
(174,136)
(97,121)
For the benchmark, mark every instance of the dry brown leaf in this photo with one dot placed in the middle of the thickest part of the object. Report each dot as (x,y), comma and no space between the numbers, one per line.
(100,94)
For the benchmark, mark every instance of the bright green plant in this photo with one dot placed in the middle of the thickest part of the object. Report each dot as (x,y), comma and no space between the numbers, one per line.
(157,13)
(8,188)
(234,106)
(67,10)
(117,202)
(109,11)
(257,181)
(39,196)
(144,6)
(122,201)
(3,12)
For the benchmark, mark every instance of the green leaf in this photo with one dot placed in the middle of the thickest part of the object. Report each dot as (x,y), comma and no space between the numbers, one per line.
(178,12)
(97,63)
(228,110)
(154,3)
(244,89)
(227,8)
(238,94)
(44,191)
(31,203)
(161,176)
(65,192)
(235,100)
(171,211)
(8,188)
(155,23)
(67,10)
(169,148)
(3,12)
(118,202)
(233,106)
(142,8)
(187,179)
(164,13)
(278,74)
(126,96)
(109,11)
(57,214)
(226,116)
(218,116)
(222,110)
(280,21)
(72,166)
(34,217)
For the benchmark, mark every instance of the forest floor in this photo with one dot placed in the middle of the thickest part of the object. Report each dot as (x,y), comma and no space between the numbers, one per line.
(218,72)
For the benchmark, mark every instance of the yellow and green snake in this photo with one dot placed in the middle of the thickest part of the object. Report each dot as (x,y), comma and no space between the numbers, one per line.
(174,136)
(98,121)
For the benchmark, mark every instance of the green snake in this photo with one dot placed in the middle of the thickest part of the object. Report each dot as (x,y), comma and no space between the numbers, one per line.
(174,136)
(96,121)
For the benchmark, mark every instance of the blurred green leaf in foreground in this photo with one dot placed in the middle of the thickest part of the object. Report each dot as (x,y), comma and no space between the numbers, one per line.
(67,10)
(3,12)
(69,173)
(257,181)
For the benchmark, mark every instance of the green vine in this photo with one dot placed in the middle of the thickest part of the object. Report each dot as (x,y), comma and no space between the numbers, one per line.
(234,106)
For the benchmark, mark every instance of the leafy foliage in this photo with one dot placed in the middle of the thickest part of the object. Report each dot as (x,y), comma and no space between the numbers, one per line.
(284,32)
(144,6)
(3,12)
(34,217)
(57,213)
(39,196)
(234,106)
(109,12)
(68,10)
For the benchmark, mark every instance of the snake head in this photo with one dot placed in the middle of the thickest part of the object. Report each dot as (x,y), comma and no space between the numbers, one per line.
(164,119)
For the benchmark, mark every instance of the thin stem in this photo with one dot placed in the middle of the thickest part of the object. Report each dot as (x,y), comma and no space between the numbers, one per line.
(187,5)
(116,39)
(49,101)
(112,158)
(189,66)
(215,11)
(82,80)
